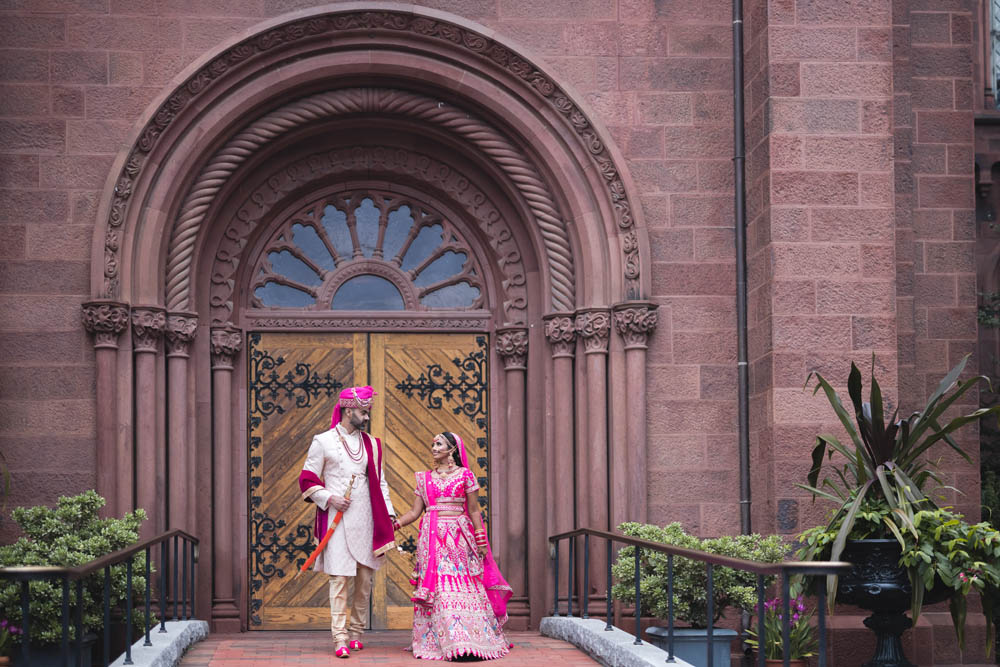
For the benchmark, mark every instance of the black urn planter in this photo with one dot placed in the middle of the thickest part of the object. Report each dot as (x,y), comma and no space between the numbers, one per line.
(877,583)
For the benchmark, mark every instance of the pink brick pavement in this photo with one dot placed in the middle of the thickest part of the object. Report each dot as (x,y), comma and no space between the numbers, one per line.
(255,649)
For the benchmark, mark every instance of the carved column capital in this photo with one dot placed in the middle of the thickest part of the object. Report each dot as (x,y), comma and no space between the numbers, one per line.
(635,321)
(593,325)
(105,320)
(512,346)
(226,343)
(148,324)
(560,331)
(181,330)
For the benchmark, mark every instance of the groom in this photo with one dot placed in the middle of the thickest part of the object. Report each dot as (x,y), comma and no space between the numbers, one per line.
(364,534)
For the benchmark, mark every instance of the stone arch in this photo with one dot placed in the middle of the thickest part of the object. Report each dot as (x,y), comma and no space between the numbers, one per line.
(554,162)
(567,146)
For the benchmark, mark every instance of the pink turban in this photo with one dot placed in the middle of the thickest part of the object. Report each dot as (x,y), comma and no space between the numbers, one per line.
(353,397)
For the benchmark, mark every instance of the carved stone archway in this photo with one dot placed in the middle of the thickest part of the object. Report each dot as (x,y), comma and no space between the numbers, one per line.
(566,243)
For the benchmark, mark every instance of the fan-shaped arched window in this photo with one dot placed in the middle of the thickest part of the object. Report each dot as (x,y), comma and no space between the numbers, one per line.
(367,250)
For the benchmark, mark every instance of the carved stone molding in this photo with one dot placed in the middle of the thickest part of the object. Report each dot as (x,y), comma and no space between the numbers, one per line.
(181,329)
(382,163)
(361,323)
(593,325)
(226,343)
(508,157)
(148,325)
(512,346)
(105,320)
(560,331)
(635,321)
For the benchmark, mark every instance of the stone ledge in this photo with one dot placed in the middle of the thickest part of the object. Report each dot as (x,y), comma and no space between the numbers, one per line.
(168,647)
(614,648)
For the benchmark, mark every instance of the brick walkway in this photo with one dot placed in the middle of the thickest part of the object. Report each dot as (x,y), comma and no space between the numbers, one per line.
(260,649)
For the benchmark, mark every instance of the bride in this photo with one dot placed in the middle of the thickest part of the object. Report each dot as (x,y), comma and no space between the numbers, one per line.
(460,599)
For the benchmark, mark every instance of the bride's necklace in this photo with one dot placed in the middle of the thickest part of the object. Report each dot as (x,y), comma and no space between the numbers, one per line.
(354,456)
(448,469)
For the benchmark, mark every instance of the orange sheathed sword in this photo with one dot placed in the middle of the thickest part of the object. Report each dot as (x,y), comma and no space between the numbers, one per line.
(329,533)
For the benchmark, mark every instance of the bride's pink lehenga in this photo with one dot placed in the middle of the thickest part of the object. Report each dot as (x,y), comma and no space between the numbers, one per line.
(460,599)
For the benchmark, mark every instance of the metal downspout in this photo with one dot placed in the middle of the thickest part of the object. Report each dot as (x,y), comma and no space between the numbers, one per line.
(739,180)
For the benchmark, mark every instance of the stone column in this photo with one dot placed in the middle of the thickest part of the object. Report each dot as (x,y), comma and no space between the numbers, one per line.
(512,346)
(148,324)
(593,325)
(561,334)
(181,328)
(106,320)
(226,343)
(634,320)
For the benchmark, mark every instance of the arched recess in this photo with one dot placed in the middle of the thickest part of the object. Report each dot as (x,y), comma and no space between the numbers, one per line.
(160,252)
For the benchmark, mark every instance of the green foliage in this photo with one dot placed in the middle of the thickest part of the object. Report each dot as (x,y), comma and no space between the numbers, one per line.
(732,588)
(878,490)
(988,312)
(70,535)
(802,642)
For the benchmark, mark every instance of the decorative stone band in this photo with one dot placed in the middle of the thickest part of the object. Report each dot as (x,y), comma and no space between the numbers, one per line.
(635,321)
(226,343)
(560,331)
(262,131)
(105,320)
(512,346)
(593,325)
(181,330)
(148,324)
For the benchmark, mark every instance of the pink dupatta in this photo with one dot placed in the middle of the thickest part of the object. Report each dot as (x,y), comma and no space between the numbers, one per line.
(497,589)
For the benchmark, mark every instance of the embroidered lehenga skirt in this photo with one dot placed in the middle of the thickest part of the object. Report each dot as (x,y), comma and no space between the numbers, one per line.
(459,619)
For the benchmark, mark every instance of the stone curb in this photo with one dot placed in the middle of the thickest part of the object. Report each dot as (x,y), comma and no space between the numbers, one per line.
(168,647)
(614,648)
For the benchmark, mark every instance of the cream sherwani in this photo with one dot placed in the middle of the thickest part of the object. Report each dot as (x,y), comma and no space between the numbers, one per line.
(352,540)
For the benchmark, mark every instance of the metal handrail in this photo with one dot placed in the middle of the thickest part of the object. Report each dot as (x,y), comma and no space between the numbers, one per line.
(28,573)
(786,570)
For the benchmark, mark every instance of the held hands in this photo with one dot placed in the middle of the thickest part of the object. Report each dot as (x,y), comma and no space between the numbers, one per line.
(340,503)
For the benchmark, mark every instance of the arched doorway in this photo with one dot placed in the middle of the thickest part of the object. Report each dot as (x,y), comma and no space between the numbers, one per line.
(350,112)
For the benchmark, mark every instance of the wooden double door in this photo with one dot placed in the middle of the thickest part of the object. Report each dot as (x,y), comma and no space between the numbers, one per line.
(426,384)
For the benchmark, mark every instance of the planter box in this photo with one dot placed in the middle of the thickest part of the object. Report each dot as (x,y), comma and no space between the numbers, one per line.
(691,645)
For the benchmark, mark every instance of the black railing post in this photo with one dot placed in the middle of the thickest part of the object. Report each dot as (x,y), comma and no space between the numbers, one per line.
(585,599)
(107,616)
(670,608)
(193,578)
(555,579)
(571,583)
(761,634)
(25,624)
(608,627)
(710,613)
(64,644)
(821,621)
(163,586)
(175,572)
(638,599)
(184,586)
(148,587)
(79,622)
(785,617)
(128,612)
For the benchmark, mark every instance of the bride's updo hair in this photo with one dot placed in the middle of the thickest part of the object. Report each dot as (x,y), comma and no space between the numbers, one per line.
(453,443)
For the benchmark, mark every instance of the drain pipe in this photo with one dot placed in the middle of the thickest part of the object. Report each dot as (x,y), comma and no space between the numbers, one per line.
(739,180)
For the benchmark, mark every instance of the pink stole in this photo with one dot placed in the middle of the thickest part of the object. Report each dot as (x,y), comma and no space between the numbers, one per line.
(497,589)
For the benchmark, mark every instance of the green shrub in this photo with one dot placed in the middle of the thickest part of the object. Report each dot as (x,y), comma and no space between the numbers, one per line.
(732,588)
(69,535)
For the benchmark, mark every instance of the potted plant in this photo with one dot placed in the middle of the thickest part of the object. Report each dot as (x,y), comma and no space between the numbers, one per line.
(907,551)
(801,635)
(732,588)
(69,535)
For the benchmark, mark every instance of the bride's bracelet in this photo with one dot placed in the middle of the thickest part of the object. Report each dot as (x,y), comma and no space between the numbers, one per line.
(480,537)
